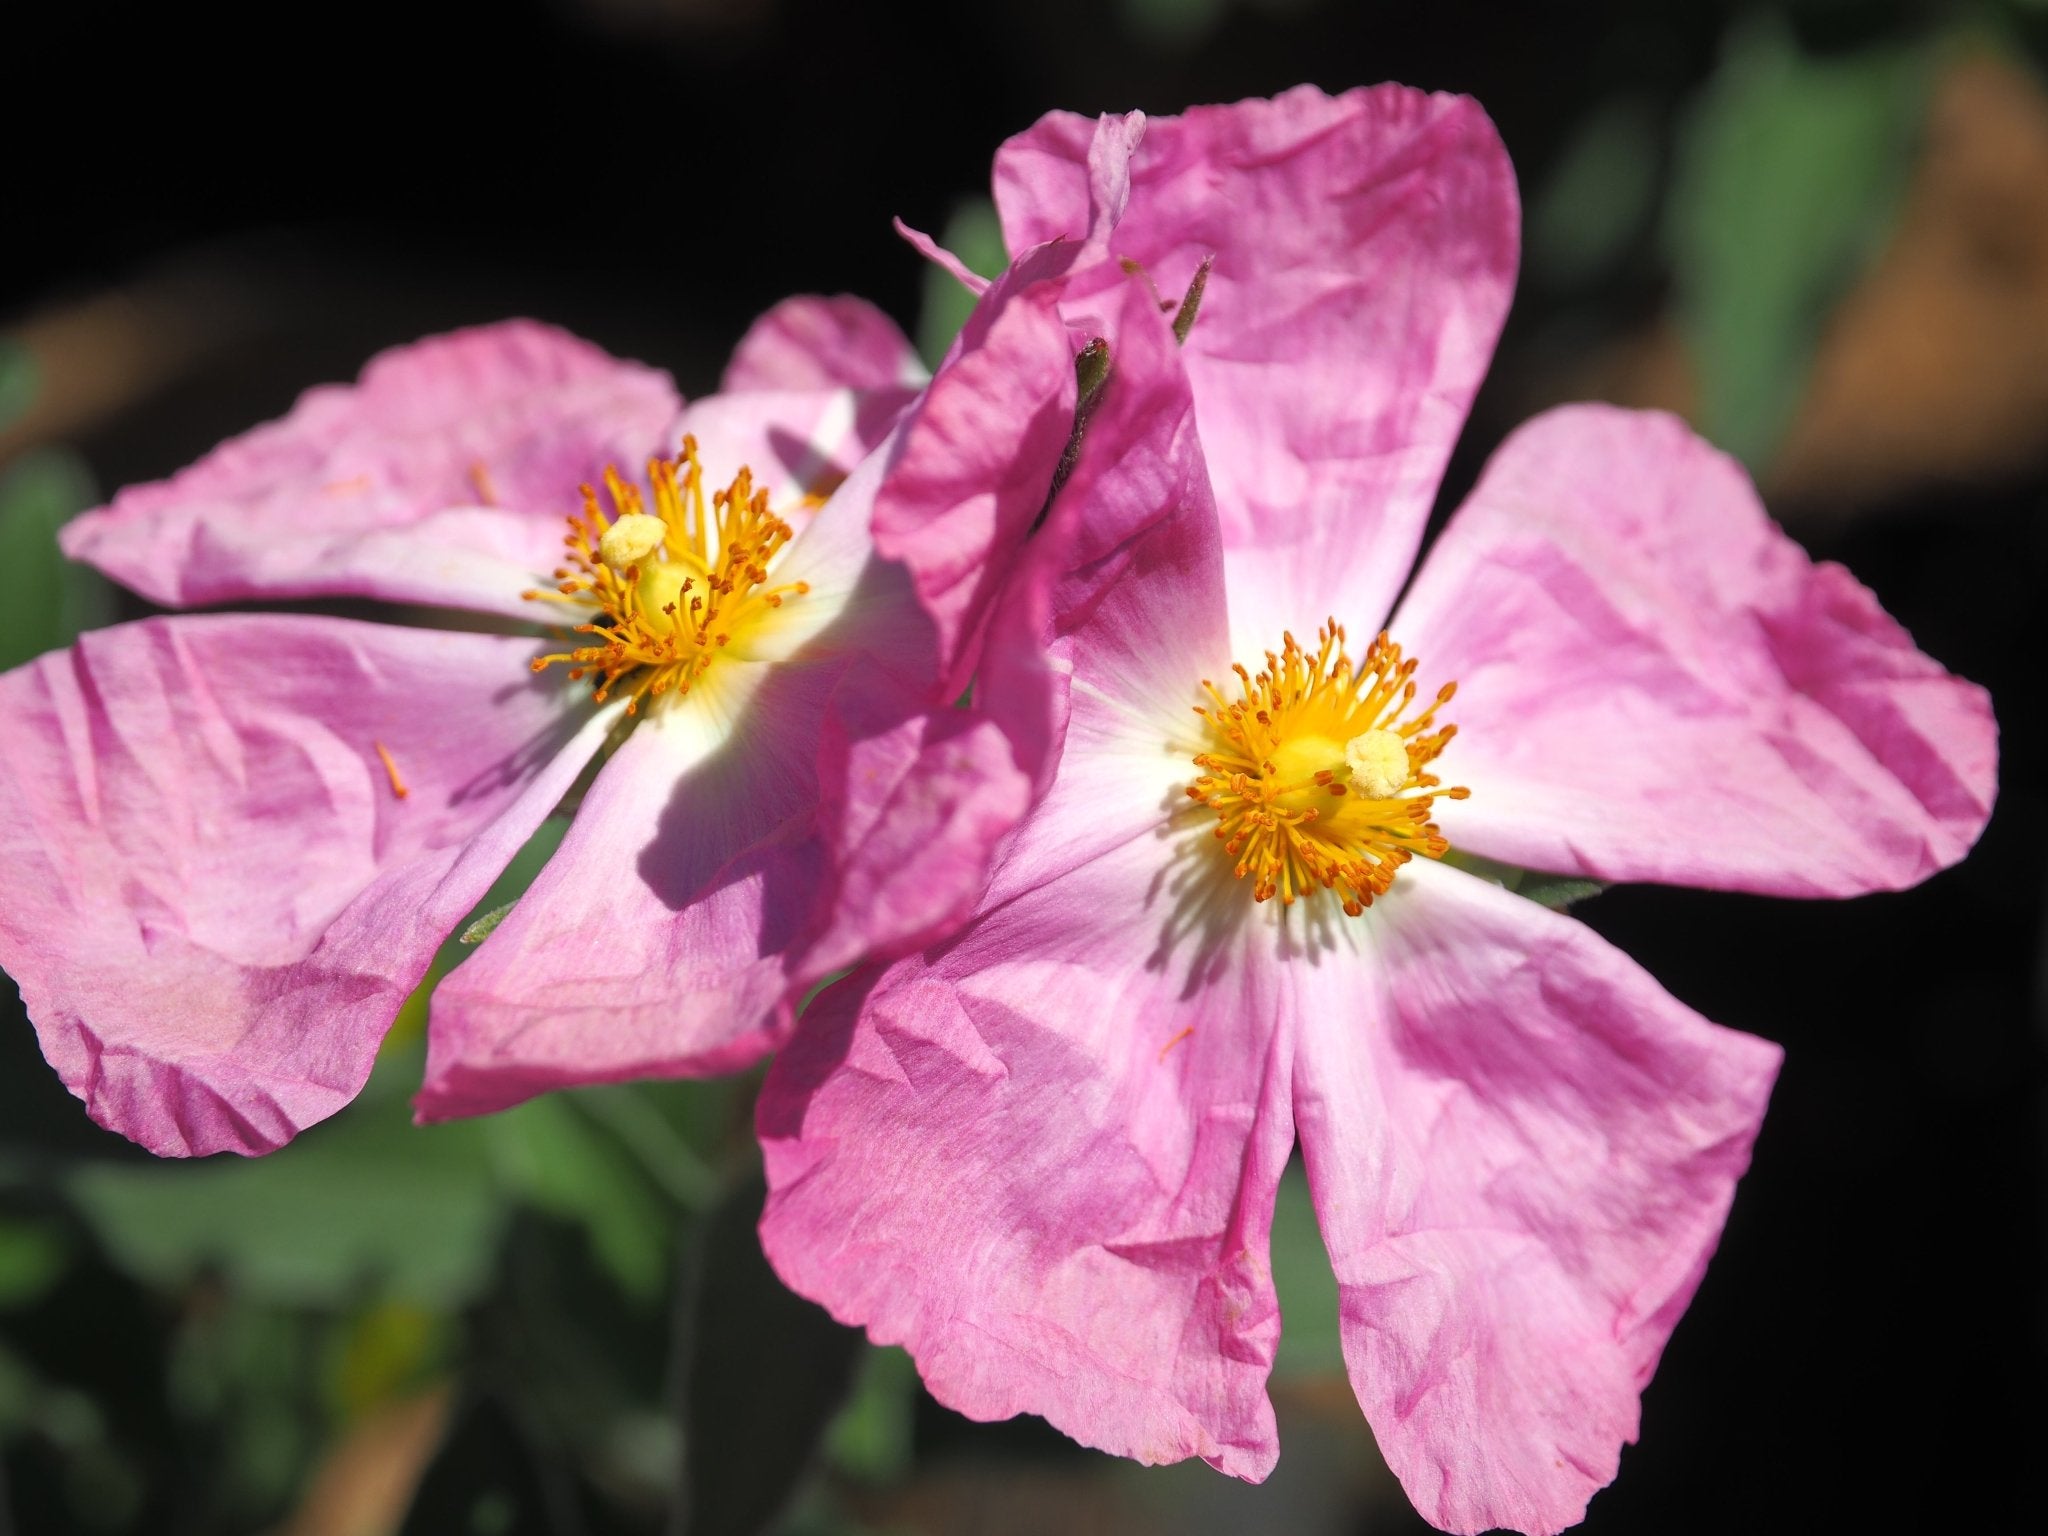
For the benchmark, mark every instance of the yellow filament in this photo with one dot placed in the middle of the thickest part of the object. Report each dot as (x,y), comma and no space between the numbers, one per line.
(1317,779)
(667,601)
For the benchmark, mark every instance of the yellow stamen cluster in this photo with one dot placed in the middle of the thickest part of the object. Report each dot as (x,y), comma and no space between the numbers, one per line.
(672,586)
(1317,781)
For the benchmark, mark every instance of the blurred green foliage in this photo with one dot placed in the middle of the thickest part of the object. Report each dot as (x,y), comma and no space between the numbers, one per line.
(1309,1341)
(17,383)
(975,235)
(45,600)
(1788,172)
(1600,194)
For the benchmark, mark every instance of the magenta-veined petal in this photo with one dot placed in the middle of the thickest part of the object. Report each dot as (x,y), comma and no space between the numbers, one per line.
(812,343)
(1655,683)
(974,463)
(1522,1151)
(653,942)
(218,899)
(442,477)
(1114,615)
(1364,253)
(912,805)
(1011,1157)
(943,259)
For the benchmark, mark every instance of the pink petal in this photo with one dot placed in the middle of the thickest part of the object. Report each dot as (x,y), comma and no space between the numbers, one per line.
(1365,250)
(975,462)
(442,477)
(695,893)
(797,442)
(217,900)
(814,343)
(913,803)
(943,259)
(1522,1152)
(1093,1250)
(1000,1157)
(1114,615)
(653,942)
(1654,683)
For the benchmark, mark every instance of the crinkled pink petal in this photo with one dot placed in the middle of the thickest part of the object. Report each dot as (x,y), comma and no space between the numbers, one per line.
(670,930)
(974,464)
(912,803)
(700,881)
(1654,683)
(1364,254)
(217,899)
(860,608)
(1010,1158)
(1522,1151)
(652,943)
(443,476)
(943,259)
(1114,615)
(810,342)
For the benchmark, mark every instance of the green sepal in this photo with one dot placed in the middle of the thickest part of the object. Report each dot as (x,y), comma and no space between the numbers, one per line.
(1557,892)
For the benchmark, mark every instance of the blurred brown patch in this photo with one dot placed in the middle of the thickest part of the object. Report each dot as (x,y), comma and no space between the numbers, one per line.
(365,1484)
(1008,1499)
(1935,368)
(1330,1481)
(98,357)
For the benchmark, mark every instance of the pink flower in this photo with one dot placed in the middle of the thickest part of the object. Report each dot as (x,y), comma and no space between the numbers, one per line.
(235,841)
(1043,1154)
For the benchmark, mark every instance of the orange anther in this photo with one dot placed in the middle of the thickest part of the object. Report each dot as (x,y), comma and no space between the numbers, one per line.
(398,789)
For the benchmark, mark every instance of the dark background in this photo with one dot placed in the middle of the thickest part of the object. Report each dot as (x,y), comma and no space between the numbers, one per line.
(204,214)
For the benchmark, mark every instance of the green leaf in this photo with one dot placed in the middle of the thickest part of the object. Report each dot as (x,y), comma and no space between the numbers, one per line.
(975,235)
(871,1438)
(32,1256)
(1557,892)
(1600,194)
(366,1201)
(551,1155)
(1191,302)
(1554,891)
(390,1350)
(45,600)
(768,1374)
(239,1368)
(1310,1344)
(1788,175)
(410,1027)
(480,930)
(17,383)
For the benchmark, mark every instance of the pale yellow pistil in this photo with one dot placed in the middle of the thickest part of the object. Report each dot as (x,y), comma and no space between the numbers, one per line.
(668,590)
(1317,780)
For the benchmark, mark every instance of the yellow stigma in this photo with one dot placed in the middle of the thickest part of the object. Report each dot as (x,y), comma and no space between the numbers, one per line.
(1379,763)
(670,588)
(1317,781)
(630,540)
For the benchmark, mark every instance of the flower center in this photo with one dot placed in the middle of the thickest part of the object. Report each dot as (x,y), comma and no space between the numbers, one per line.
(671,588)
(1316,779)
